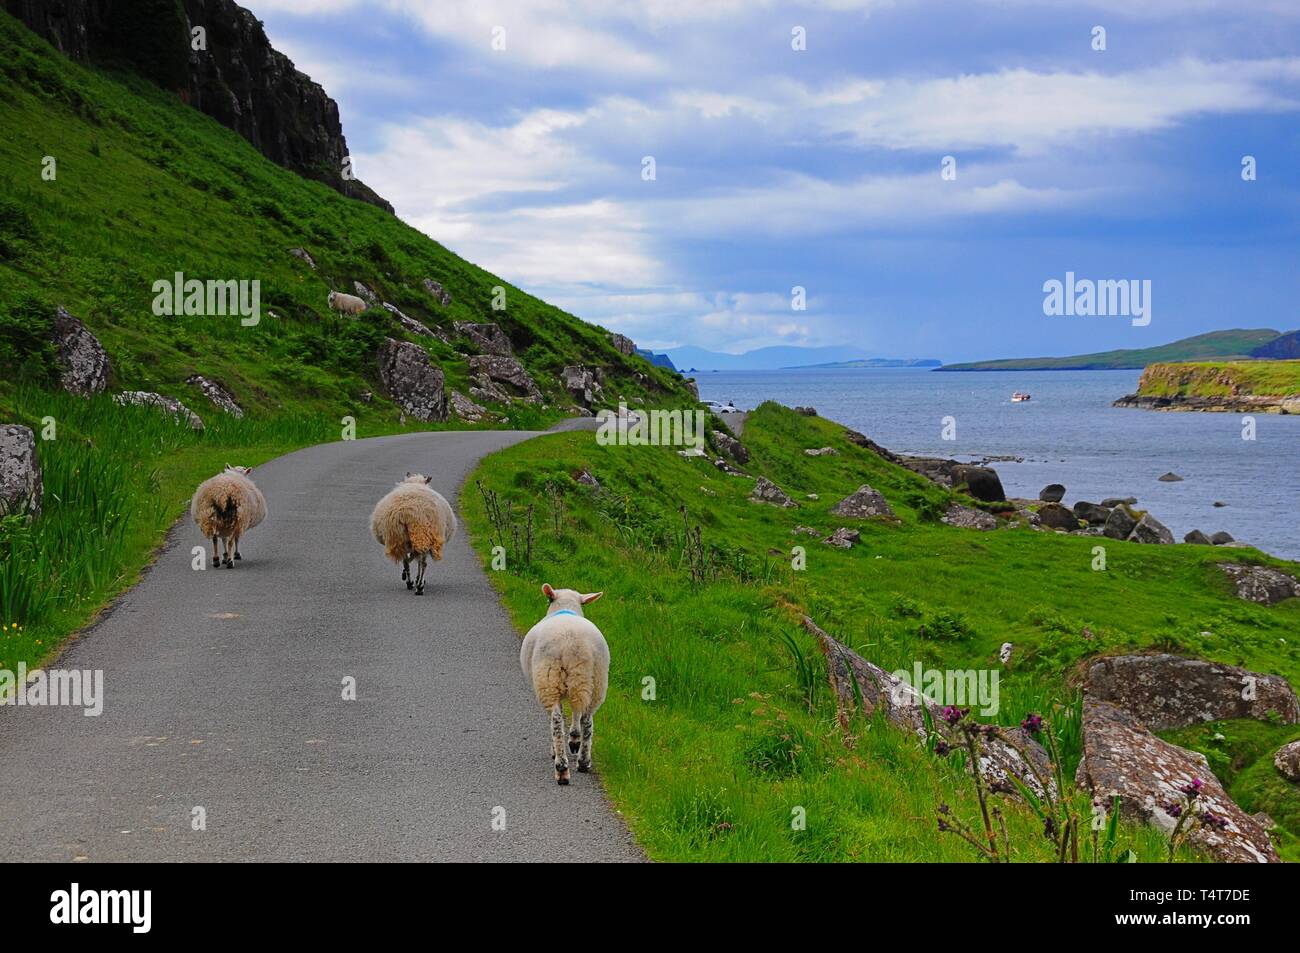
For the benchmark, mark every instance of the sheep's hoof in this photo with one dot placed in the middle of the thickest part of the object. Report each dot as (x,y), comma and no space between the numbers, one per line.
(409,584)
(562,777)
(216,560)
(229,564)
(420,591)
(584,766)
(237,556)
(574,747)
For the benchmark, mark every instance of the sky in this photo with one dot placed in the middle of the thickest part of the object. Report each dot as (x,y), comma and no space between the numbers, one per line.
(517,135)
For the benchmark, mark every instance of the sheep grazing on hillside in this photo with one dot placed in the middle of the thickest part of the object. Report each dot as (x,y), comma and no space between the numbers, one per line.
(412,521)
(225,507)
(565,656)
(346,304)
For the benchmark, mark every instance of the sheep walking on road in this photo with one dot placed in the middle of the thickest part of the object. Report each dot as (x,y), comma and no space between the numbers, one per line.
(345,303)
(565,656)
(413,522)
(225,507)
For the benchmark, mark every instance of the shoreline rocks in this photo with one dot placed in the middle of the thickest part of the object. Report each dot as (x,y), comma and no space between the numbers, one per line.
(1241,403)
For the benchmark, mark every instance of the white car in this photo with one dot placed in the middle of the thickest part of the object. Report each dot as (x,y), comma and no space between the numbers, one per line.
(720,408)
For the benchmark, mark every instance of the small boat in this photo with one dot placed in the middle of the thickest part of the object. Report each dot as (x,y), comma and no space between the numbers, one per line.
(1018,397)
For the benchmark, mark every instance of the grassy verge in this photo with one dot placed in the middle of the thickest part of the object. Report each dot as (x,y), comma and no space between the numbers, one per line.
(719,724)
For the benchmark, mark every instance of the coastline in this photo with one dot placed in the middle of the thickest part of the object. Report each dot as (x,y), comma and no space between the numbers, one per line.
(1227,404)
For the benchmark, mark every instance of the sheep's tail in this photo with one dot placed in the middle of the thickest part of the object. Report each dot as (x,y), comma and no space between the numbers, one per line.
(223,512)
(424,538)
(554,681)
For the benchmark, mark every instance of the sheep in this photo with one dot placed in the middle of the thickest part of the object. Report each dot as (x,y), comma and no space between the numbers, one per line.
(413,520)
(226,507)
(564,656)
(346,304)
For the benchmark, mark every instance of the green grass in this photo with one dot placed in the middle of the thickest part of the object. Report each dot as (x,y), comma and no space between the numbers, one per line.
(1235,343)
(713,766)
(1240,753)
(1221,379)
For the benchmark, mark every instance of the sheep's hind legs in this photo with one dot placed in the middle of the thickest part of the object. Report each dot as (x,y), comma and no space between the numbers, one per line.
(225,552)
(584,756)
(406,571)
(557,744)
(419,580)
(237,556)
(216,557)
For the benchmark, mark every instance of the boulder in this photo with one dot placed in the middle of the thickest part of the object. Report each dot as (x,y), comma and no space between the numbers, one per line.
(496,369)
(411,380)
(822,452)
(1169,478)
(731,446)
(691,387)
(168,405)
(1168,691)
(302,255)
(1219,504)
(968,517)
(980,482)
(82,359)
(1091,513)
(1197,538)
(581,383)
(863,689)
(488,338)
(1056,516)
(623,344)
(1261,584)
(365,294)
(1052,493)
(843,538)
(437,292)
(1120,523)
(864,503)
(1115,501)
(1222,539)
(765,491)
(218,394)
(584,478)
(806,411)
(466,409)
(727,468)
(1287,761)
(866,443)
(1120,757)
(21,486)
(418,328)
(1150,530)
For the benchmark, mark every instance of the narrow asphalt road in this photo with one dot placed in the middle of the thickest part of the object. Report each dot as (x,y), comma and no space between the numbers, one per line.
(224,692)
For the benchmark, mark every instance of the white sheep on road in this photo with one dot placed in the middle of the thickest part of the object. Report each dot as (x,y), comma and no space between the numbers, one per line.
(225,507)
(564,656)
(413,521)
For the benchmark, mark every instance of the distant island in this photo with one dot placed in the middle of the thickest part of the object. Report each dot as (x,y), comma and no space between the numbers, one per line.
(1254,386)
(1236,344)
(872,362)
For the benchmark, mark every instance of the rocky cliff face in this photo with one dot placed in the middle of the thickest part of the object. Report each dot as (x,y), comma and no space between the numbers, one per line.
(240,79)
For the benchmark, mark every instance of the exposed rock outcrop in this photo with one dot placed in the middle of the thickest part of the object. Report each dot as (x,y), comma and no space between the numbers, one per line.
(1260,583)
(437,292)
(488,338)
(731,446)
(216,393)
(82,359)
(411,380)
(765,491)
(967,517)
(821,452)
(1287,761)
(168,405)
(466,409)
(1056,516)
(21,486)
(240,79)
(303,255)
(843,538)
(1150,530)
(492,370)
(582,383)
(1168,691)
(1121,757)
(623,344)
(365,294)
(864,503)
(981,482)
(1120,523)
(418,328)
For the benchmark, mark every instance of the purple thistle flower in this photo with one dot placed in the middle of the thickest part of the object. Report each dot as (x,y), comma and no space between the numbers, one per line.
(941,747)
(1194,789)
(952,714)
(1174,810)
(1032,724)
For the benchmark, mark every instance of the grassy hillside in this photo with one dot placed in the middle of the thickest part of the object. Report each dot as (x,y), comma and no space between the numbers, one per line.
(1226,345)
(1221,379)
(741,728)
(144,187)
